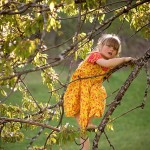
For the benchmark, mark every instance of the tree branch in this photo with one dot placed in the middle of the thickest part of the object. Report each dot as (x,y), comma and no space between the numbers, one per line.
(4,120)
(140,63)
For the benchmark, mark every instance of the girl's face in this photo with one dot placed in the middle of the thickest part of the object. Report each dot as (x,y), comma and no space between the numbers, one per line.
(108,51)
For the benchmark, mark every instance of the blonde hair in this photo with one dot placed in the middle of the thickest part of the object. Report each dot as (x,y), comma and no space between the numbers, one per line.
(109,39)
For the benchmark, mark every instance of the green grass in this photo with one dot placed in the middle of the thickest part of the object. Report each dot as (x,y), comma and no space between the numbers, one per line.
(131,132)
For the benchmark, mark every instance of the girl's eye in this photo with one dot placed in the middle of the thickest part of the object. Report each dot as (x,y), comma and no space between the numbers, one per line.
(116,49)
(109,45)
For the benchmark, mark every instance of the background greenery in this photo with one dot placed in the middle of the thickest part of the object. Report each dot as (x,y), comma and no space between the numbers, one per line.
(35,38)
(131,132)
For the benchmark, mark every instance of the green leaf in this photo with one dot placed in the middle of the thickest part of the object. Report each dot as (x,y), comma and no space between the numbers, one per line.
(3,92)
(51,6)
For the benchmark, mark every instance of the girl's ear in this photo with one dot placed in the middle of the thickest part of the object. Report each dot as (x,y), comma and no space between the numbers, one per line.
(118,54)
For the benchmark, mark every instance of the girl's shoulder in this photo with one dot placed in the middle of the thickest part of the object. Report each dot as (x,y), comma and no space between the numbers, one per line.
(94,56)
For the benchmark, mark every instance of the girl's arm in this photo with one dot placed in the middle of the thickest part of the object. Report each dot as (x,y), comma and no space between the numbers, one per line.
(113,62)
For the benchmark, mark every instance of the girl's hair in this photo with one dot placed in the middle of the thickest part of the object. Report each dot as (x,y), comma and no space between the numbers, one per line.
(109,39)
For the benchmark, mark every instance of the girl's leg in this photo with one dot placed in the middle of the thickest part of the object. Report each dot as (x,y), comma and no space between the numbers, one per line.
(77,118)
(90,124)
(85,143)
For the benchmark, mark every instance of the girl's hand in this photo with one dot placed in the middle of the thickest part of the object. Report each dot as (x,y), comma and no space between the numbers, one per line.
(126,59)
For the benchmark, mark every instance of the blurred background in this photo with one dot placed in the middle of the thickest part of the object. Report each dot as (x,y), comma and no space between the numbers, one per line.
(129,132)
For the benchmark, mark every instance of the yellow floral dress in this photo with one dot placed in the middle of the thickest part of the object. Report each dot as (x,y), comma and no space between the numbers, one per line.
(85,94)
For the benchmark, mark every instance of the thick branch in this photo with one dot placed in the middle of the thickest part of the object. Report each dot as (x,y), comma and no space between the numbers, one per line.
(140,63)
(24,7)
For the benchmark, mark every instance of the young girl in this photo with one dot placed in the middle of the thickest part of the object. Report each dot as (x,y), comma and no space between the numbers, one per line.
(85,96)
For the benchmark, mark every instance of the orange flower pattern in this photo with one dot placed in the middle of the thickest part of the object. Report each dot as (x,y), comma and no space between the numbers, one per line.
(85,94)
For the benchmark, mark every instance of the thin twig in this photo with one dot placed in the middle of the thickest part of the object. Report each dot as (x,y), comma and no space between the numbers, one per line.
(31,95)
(109,141)
(3,119)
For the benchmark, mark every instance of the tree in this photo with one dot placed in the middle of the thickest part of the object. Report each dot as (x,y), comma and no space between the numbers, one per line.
(23,27)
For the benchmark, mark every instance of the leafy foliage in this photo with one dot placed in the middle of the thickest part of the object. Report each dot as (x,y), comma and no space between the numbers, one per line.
(139,18)
(83,46)
(67,133)
(23,26)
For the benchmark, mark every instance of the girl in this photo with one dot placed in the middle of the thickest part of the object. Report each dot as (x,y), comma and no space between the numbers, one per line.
(85,96)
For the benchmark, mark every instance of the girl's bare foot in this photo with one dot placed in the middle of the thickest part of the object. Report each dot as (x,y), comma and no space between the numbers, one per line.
(91,126)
